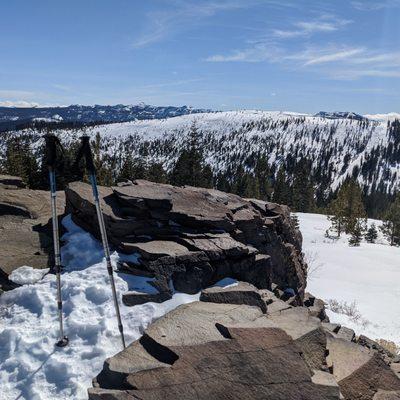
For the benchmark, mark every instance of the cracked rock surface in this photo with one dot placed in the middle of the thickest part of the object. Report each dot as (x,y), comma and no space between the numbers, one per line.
(195,237)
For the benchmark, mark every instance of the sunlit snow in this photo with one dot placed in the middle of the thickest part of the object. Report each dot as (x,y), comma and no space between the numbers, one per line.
(368,275)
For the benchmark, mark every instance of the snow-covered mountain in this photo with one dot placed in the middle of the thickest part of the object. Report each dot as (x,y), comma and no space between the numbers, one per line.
(367,149)
(11,117)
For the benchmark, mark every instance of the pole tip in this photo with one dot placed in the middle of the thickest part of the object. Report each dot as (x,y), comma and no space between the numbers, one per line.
(62,342)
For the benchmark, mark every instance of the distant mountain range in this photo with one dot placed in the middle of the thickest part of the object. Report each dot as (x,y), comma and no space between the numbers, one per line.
(13,117)
(340,115)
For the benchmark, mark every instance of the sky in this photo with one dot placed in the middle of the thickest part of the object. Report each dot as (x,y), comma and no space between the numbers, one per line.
(292,55)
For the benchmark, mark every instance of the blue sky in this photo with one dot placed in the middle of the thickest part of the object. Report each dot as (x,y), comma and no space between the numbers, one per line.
(298,55)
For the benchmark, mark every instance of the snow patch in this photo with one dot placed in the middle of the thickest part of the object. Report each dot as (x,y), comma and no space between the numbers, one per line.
(27,275)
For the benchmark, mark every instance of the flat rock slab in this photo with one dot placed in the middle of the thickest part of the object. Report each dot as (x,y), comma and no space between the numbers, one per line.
(242,293)
(157,248)
(195,323)
(183,205)
(253,364)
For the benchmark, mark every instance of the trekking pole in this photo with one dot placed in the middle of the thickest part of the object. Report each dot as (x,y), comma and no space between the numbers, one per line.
(85,151)
(51,152)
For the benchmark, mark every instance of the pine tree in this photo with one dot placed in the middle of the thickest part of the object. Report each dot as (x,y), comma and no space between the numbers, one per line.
(262,174)
(372,234)
(391,223)
(347,210)
(356,234)
(190,168)
(281,194)
(156,173)
(20,161)
(355,212)
(132,168)
(103,171)
(303,190)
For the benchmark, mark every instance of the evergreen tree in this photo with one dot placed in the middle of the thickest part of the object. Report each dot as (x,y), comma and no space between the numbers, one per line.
(104,172)
(372,234)
(156,173)
(356,234)
(303,190)
(262,174)
(132,168)
(391,224)
(190,168)
(20,161)
(347,213)
(281,194)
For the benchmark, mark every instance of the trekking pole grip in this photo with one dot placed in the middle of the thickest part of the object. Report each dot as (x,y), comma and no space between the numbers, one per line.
(51,151)
(87,153)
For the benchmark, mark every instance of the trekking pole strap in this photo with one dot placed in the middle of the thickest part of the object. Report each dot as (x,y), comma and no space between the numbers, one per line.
(85,151)
(52,144)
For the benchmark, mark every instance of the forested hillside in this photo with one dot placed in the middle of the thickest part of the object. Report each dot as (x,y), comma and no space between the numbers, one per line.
(296,159)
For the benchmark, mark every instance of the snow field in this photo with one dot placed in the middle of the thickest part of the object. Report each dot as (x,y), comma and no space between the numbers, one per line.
(368,276)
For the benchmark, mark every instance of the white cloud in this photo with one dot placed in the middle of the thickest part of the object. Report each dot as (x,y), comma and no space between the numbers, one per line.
(330,56)
(324,24)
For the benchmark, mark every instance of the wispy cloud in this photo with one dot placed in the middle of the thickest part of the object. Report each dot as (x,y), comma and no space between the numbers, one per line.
(184,13)
(375,5)
(314,57)
(335,61)
(326,23)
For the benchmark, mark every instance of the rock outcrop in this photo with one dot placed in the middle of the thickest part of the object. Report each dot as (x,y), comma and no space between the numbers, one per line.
(229,349)
(194,237)
(25,227)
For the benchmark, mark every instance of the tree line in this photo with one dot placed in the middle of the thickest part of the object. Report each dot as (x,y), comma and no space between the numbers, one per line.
(293,183)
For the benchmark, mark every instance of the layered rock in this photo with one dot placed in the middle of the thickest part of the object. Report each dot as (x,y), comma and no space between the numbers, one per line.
(194,237)
(229,349)
(25,227)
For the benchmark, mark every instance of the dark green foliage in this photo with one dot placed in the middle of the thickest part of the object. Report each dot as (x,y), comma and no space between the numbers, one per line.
(303,189)
(372,234)
(263,174)
(356,234)
(347,212)
(281,194)
(20,161)
(391,223)
(190,168)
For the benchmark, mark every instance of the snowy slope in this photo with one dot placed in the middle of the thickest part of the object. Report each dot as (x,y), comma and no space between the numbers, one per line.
(368,276)
(338,147)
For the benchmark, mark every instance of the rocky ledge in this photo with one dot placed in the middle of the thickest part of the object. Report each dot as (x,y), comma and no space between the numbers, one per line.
(194,237)
(25,227)
(245,343)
